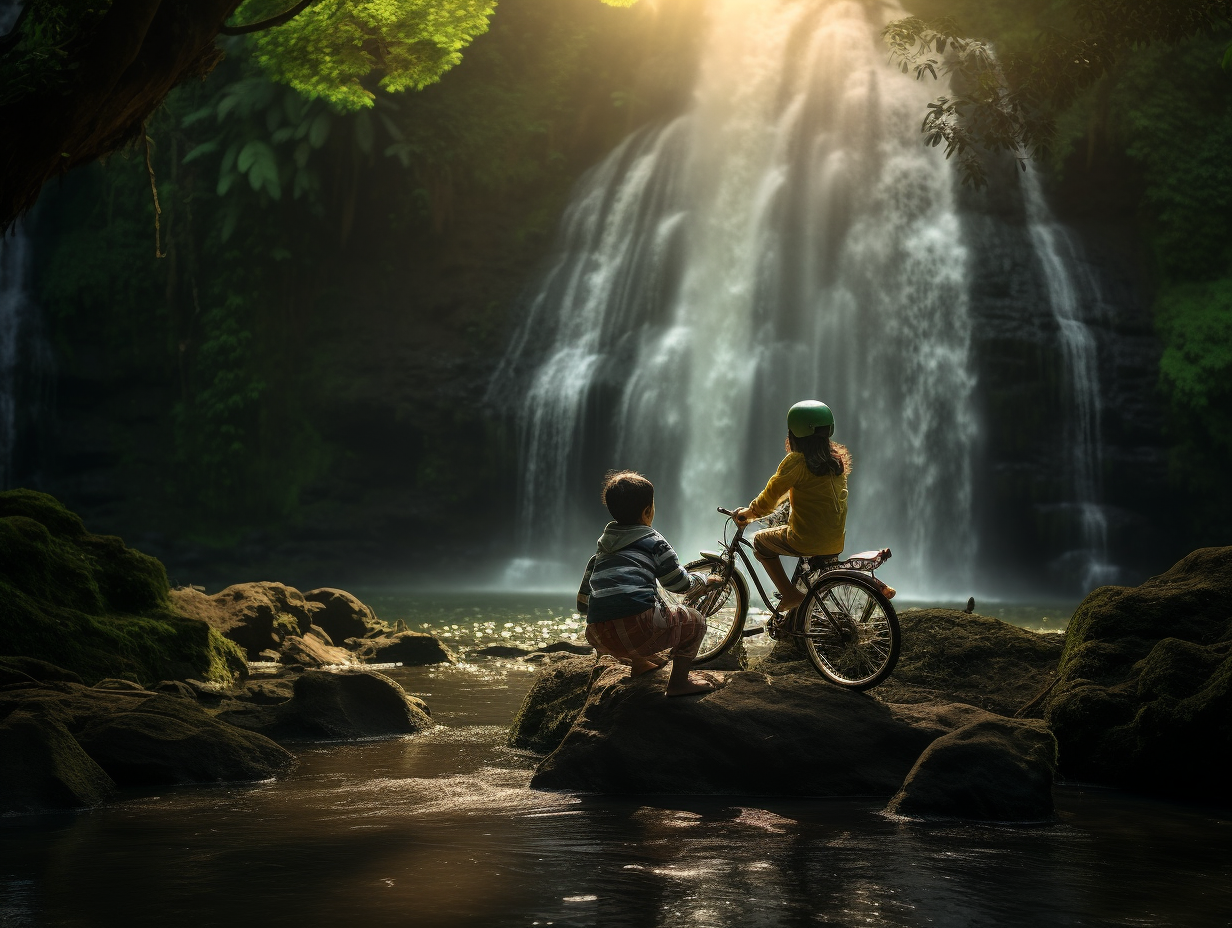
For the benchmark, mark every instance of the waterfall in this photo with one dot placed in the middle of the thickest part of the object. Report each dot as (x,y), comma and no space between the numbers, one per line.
(787,237)
(14,303)
(1057,252)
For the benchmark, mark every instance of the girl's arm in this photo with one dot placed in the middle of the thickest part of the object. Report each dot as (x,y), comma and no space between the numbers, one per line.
(783,480)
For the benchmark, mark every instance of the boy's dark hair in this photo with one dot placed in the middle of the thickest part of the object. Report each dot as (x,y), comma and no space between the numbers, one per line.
(627,494)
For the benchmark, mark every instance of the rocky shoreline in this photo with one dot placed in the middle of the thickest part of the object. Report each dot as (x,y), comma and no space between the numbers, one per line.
(116,681)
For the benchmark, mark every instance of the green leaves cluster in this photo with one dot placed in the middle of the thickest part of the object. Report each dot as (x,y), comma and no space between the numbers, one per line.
(332,48)
(39,50)
(1008,102)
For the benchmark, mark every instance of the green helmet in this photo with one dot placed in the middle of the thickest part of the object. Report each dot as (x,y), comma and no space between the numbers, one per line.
(807,417)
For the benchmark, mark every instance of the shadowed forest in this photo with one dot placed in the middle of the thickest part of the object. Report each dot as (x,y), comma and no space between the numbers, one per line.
(299,379)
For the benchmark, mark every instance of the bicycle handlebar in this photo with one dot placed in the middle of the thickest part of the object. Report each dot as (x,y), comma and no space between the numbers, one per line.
(726,512)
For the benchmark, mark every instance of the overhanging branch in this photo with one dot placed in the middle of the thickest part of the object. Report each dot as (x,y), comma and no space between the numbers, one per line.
(268,23)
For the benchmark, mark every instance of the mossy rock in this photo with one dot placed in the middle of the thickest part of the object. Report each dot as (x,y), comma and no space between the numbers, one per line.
(554,701)
(1144,690)
(93,606)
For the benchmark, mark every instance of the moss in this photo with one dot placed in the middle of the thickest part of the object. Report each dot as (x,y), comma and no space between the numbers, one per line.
(1142,698)
(554,701)
(91,605)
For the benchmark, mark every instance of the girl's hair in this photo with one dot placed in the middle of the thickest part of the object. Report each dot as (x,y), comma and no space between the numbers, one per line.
(821,456)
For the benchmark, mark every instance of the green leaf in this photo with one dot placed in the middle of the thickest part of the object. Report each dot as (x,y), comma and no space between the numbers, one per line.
(319,131)
(205,148)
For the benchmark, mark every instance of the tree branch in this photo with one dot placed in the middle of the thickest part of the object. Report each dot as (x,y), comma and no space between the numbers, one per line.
(268,23)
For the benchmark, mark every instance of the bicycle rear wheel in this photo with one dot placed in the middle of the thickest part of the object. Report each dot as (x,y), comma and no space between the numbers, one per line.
(725,608)
(851,631)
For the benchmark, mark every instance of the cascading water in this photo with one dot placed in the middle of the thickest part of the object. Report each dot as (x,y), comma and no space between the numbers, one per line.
(14,304)
(788,237)
(1057,252)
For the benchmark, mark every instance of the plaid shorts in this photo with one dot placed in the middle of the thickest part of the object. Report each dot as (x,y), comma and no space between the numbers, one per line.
(679,629)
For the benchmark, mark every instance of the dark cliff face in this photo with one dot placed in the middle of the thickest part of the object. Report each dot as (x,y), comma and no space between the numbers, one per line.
(1030,518)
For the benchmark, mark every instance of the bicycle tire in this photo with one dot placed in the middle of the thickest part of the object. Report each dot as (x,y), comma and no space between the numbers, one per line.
(725,609)
(850,630)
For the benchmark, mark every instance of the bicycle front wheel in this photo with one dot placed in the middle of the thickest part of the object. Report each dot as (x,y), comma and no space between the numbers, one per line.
(725,608)
(851,631)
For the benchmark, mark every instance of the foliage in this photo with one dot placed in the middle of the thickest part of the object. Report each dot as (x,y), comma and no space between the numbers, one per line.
(1008,102)
(329,49)
(41,50)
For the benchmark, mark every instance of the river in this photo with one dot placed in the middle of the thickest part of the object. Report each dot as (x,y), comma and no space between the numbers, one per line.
(440,829)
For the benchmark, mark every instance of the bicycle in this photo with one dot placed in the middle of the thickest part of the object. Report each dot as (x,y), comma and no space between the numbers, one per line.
(848,628)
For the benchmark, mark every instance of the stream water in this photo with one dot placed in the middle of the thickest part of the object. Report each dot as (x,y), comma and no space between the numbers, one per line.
(440,829)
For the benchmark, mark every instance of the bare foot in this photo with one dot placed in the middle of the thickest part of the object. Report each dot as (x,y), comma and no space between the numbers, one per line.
(641,665)
(790,600)
(690,688)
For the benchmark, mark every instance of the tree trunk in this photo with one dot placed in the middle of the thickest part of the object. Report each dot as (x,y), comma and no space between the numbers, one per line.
(125,68)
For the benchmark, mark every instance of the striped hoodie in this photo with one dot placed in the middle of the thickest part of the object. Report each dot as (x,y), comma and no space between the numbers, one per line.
(620,578)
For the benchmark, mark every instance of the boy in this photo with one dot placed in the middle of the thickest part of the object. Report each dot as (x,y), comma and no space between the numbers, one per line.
(624,615)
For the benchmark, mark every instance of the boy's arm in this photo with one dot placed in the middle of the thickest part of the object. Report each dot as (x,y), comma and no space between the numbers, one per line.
(583,597)
(670,573)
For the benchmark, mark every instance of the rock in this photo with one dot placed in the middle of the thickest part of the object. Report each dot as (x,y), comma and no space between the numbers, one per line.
(37,670)
(166,741)
(501,650)
(343,616)
(409,648)
(176,688)
(569,647)
(142,738)
(948,655)
(1143,697)
(554,701)
(42,768)
(336,706)
(312,651)
(92,606)
(122,686)
(256,616)
(11,677)
(782,735)
(994,769)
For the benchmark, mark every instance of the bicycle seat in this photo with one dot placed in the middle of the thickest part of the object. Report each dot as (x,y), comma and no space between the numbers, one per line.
(865,560)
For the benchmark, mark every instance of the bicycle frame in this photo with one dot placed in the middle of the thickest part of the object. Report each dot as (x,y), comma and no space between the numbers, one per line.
(727,557)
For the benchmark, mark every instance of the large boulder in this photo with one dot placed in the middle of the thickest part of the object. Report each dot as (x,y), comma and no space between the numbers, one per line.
(335,706)
(42,768)
(166,740)
(256,616)
(994,769)
(343,616)
(143,738)
(554,701)
(787,735)
(91,605)
(950,656)
(1144,689)
(412,649)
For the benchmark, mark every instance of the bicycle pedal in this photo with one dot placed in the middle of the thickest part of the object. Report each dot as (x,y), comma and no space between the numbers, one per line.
(750,632)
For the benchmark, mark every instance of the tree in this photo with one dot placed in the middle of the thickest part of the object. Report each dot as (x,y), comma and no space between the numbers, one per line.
(1007,102)
(79,78)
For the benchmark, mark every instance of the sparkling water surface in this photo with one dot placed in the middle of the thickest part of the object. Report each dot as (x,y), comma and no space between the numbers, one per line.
(442,829)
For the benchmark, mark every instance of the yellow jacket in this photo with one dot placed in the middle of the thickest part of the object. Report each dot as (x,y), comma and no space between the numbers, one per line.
(818,522)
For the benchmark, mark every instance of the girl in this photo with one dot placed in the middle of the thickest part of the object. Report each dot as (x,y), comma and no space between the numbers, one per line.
(814,477)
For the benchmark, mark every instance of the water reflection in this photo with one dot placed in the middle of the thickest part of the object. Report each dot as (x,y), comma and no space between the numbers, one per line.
(440,829)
